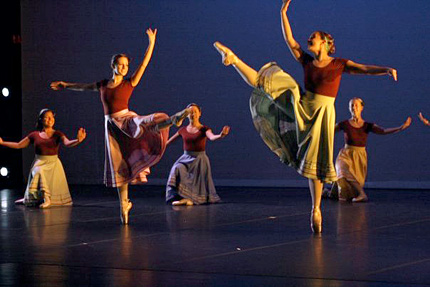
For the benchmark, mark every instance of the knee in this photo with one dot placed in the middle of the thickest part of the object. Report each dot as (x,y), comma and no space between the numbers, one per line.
(160,116)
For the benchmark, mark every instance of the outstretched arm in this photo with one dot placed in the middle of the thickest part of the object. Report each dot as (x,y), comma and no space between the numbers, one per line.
(382,131)
(79,138)
(16,145)
(225,131)
(172,138)
(60,85)
(295,48)
(355,68)
(423,119)
(135,79)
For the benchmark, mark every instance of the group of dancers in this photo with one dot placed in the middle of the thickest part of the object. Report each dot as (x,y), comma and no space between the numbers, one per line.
(298,126)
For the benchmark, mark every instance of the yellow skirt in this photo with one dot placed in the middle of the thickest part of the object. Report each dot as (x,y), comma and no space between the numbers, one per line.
(298,127)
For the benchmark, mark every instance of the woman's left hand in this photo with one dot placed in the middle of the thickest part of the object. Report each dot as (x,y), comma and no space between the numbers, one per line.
(152,34)
(81,134)
(225,131)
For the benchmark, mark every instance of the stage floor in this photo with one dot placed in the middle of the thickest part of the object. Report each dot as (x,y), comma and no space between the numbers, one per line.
(256,237)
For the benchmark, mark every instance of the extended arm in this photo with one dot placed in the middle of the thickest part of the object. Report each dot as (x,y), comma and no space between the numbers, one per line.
(16,145)
(172,138)
(60,85)
(225,131)
(295,48)
(135,79)
(79,138)
(382,131)
(355,68)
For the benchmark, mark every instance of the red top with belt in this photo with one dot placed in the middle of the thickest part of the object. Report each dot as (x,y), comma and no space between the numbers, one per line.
(356,136)
(194,141)
(115,99)
(43,146)
(326,80)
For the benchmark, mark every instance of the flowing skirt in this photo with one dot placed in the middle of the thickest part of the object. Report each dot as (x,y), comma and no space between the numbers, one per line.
(297,127)
(133,144)
(351,168)
(47,179)
(191,178)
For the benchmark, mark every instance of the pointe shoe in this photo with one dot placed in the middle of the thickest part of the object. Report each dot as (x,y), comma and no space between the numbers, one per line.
(228,57)
(179,117)
(316,220)
(360,198)
(125,210)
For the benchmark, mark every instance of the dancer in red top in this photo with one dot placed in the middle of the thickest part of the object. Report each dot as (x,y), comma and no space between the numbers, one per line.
(47,181)
(133,142)
(299,127)
(190,180)
(351,162)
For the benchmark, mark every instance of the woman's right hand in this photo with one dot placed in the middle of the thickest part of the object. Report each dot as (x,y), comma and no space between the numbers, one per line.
(58,85)
(423,119)
(152,34)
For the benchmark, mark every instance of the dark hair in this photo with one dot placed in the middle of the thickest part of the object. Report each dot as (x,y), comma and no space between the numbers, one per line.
(195,105)
(357,99)
(331,48)
(115,58)
(39,123)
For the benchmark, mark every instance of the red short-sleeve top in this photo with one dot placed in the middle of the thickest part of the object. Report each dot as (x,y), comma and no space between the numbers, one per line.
(326,80)
(356,136)
(43,146)
(194,141)
(115,99)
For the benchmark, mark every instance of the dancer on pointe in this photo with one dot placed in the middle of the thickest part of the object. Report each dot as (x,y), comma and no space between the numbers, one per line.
(190,180)
(299,127)
(133,142)
(47,183)
(351,162)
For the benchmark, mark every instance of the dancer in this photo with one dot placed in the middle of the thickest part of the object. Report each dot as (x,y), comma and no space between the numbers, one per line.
(299,127)
(351,162)
(190,179)
(47,181)
(133,142)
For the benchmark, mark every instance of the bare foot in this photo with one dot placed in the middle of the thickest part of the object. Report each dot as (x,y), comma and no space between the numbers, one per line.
(360,198)
(228,57)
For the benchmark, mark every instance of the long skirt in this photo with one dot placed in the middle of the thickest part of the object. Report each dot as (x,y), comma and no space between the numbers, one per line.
(47,179)
(298,127)
(191,178)
(133,144)
(351,168)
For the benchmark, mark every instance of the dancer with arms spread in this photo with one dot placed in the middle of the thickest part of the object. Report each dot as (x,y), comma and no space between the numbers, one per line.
(299,127)
(133,142)
(190,180)
(351,162)
(47,181)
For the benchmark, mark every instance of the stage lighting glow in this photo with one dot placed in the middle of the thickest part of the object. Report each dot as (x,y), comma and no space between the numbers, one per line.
(4,171)
(5,92)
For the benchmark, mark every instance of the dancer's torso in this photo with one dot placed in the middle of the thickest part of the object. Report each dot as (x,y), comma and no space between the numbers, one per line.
(194,141)
(46,146)
(115,99)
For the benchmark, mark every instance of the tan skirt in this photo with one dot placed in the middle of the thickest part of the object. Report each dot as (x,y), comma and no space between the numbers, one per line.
(351,166)
(297,127)
(133,144)
(47,178)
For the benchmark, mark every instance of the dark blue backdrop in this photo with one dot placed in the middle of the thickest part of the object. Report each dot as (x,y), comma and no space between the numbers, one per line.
(74,40)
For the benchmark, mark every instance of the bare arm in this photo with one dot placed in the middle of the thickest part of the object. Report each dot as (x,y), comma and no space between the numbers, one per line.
(225,131)
(172,138)
(60,85)
(16,145)
(385,131)
(135,79)
(79,138)
(355,68)
(295,48)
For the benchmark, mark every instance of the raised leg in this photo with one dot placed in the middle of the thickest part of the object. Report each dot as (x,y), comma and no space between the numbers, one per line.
(248,74)
(315,187)
(125,203)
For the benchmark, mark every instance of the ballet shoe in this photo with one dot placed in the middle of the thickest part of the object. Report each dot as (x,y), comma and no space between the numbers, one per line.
(184,201)
(360,198)
(179,117)
(125,210)
(228,57)
(316,220)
